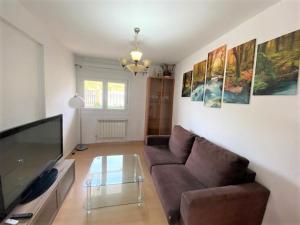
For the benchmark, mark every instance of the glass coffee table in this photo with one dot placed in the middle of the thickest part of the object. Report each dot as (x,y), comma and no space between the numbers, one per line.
(114,180)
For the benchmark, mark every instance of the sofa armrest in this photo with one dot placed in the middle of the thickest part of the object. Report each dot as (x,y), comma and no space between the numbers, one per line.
(243,204)
(157,140)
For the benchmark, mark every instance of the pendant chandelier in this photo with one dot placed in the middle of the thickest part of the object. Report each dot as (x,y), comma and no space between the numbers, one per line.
(136,64)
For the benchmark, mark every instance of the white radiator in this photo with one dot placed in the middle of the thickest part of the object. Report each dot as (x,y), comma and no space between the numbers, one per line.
(112,128)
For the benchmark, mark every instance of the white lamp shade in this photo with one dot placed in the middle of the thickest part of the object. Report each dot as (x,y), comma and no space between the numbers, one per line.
(76,102)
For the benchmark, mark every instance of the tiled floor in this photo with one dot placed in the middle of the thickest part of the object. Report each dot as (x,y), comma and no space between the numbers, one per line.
(73,213)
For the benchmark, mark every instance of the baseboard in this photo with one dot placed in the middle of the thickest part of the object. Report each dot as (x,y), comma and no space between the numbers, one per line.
(117,140)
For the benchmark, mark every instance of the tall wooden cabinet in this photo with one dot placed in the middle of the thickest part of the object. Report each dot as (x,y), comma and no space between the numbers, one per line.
(159,105)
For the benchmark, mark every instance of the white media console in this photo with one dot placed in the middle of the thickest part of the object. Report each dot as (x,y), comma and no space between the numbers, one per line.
(46,206)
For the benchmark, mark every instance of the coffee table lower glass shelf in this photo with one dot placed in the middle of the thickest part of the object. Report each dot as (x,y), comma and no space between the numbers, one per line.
(114,180)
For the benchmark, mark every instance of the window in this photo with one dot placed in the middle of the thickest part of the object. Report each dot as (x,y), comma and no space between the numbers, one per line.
(115,95)
(93,94)
(101,94)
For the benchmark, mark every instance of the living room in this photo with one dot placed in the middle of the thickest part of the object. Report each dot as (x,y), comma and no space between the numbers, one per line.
(142,123)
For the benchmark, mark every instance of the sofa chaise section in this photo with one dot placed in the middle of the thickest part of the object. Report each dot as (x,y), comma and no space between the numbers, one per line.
(170,182)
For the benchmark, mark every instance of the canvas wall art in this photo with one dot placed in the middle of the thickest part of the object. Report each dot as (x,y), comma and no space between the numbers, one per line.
(239,72)
(214,77)
(198,81)
(187,84)
(277,66)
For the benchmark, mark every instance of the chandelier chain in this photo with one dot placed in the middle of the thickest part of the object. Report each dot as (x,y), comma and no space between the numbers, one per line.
(136,64)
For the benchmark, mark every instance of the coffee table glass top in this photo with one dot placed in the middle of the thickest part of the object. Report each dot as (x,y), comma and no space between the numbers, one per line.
(114,169)
(114,180)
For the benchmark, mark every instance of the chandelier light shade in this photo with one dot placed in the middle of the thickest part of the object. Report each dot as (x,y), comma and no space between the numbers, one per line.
(136,55)
(147,63)
(135,63)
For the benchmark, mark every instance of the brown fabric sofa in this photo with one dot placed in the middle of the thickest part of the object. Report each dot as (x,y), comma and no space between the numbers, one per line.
(200,183)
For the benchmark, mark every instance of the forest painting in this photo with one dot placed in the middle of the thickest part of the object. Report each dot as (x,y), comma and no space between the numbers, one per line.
(186,84)
(239,72)
(198,81)
(277,66)
(214,77)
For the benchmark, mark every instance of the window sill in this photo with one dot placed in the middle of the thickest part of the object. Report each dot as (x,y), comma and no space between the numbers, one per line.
(104,110)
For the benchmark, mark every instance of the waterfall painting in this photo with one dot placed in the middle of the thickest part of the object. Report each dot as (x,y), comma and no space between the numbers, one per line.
(198,81)
(277,66)
(239,72)
(186,84)
(214,77)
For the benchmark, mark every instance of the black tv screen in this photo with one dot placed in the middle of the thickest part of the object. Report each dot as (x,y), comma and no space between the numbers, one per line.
(25,153)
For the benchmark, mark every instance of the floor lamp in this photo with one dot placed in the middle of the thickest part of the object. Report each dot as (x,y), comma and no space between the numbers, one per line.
(77,102)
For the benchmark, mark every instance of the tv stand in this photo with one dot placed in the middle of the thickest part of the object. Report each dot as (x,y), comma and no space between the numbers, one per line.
(46,206)
(42,184)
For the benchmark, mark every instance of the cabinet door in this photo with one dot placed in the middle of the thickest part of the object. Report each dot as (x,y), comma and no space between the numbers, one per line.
(153,105)
(166,110)
(65,184)
(48,212)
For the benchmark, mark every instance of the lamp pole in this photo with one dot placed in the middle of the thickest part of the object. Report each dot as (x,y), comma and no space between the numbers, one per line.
(77,102)
(81,146)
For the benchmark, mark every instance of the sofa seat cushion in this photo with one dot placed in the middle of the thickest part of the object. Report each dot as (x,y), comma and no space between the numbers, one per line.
(181,142)
(159,155)
(215,166)
(170,182)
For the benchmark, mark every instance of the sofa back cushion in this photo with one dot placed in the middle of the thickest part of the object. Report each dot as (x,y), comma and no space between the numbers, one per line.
(215,166)
(181,142)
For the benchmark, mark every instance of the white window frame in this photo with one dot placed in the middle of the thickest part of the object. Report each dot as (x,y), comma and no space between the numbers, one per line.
(83,93)
(125,96)
(104,81)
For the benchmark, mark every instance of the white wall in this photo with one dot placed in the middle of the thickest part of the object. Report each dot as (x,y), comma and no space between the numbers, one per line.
(135,113)
(267,130)
(59,75)
(22,67)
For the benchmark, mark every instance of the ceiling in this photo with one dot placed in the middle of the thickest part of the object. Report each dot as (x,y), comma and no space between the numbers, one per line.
(170,29)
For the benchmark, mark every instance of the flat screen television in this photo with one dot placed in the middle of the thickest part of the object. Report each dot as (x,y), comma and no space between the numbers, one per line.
(28,154)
